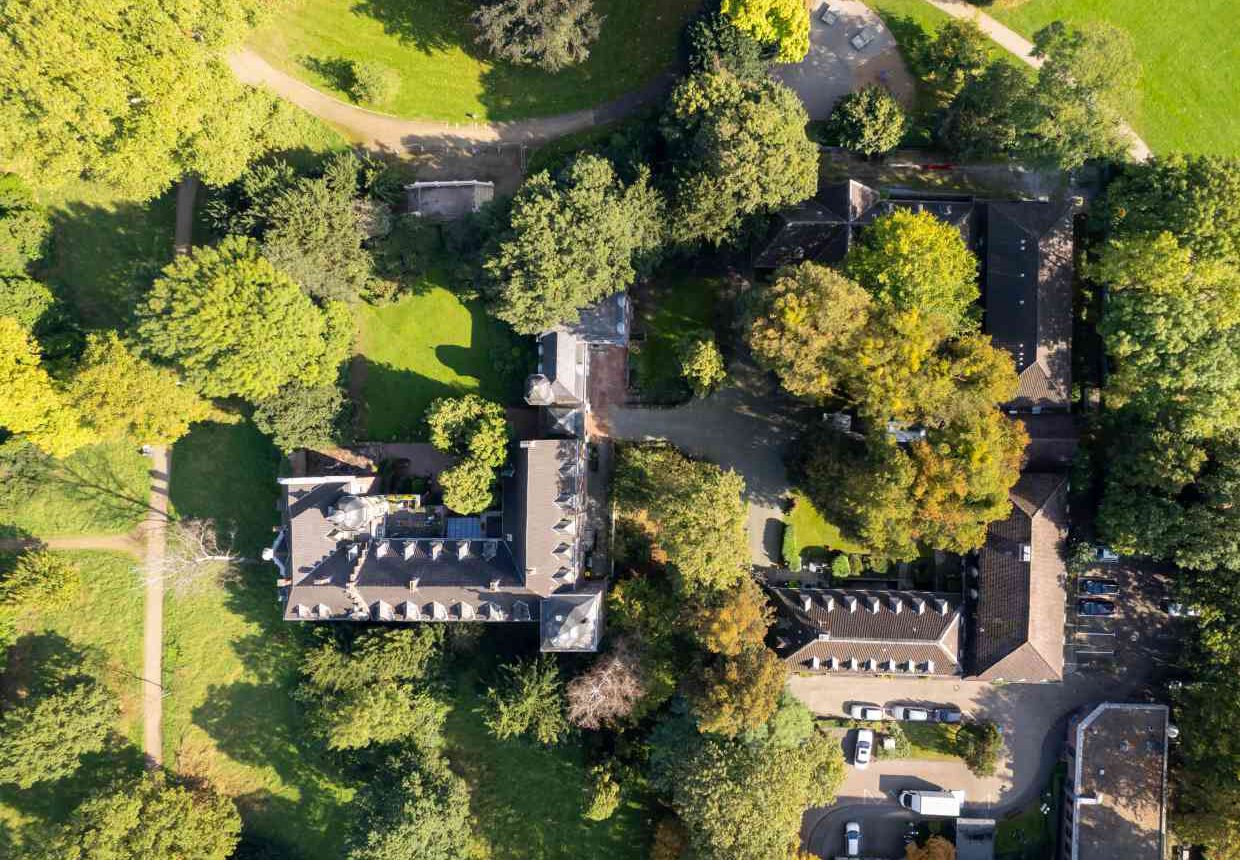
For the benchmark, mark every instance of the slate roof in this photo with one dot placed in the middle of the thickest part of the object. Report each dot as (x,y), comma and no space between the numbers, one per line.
(544,504)
(1021,606)
(1052,441)
(870,631)
(563,368)
(604,322)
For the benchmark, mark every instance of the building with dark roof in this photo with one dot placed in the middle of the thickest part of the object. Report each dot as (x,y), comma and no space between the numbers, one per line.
(1115,797)
(877,632)
(1019,591)
(350,551)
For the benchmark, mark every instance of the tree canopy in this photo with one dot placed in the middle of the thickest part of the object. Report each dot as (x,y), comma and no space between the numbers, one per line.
(236,325)
(571,240)
(43,738)
(470,426)
(738,147)
(528,701)
(467,486)
(717,43)
(550,34)
(24,299)
(31,404)
(959,52)
(735,694)
(781,23)
(24,225)
(868,121)
(302,416)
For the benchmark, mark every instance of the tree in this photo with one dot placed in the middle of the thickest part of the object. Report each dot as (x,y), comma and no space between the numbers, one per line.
(781,23)
(745,801)
(804,328)
(990,114)
(374,83)
(195,551)
(697,508)
(1086,85)
(30,404)
(607,692)
(959,52)
(39,580)
(550,34)
(24,226)
(234,324)
(701,364)
(912,261)
(716,43)
(302,416)
(43,738)
(738,694)
(980,745)
(132,93)
(24,299)
(602,794)
(470,426)
(732,621)
(789,727)
(426,817)
(868,121)
(120,394)
(571,240)
(936,848)
(528,700)
(738,148)
(151,817)
(467,486)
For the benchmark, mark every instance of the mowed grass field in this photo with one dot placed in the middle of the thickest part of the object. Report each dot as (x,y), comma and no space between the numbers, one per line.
(1189,53)
(444,76)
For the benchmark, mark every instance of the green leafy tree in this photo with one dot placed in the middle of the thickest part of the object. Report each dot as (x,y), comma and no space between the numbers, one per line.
(739,694)
(805,328)
(374,83)
(302,416)
(24,225)
(233,323)
(990,114)
(133,93)
(152,817)
(467,486)
(789,727)
(701,364)
(120,394)
(30,404)
(470,426)
(716,43)
(1086,85)
(738,148)
(24,299)
(37,580)
(980,745)
(781,23)
(43,738)
(528,700)
(868,121)
(571,240)
(959,51)
(602,794)
(426,817)
(550,34)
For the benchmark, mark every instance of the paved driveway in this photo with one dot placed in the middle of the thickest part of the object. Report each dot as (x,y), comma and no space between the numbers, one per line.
(747,427)
(834,68)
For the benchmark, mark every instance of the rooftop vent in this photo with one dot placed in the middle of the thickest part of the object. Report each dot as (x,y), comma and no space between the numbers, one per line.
(413,582)
(521,611)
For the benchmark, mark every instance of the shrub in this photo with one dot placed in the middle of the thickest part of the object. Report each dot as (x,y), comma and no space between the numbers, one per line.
(701,364)
(792,548)
(374,83)
(841,567)
(602,794)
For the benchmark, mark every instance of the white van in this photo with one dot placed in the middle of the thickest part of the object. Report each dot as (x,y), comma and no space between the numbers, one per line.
(940,804)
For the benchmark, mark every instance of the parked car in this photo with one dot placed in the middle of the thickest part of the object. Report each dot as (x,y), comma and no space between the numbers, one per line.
(1099,586)
(865,746)
(912,715)
(945,715)
(1180,610)
(866,712)
(1105,555)
(1095,606)
(863,38)
(852,839)
(828,16)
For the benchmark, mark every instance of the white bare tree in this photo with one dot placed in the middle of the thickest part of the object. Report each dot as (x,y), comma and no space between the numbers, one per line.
(196,551)
(608,691)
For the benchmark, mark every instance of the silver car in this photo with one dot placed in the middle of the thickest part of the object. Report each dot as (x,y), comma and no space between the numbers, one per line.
(852,839)
(870,713)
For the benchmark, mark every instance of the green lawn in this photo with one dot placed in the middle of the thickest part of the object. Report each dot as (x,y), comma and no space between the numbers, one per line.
(1189,55)
(431,344)
(528,799)
(814,533)
(933,741)
(102,633)
(444,76)
(1030,835)
(102,489)
(672,307)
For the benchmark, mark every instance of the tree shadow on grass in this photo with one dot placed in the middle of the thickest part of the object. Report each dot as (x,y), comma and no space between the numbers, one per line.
(339,72)
(397,400)
(426,26)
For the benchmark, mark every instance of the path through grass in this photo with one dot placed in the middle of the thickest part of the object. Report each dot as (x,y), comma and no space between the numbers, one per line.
(443,76)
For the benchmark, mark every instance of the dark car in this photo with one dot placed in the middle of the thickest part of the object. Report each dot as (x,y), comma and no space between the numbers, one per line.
(946,715)
(1089,606)
(1099,586)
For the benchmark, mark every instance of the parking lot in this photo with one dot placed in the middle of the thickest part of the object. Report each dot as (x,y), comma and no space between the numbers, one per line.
(1138,638)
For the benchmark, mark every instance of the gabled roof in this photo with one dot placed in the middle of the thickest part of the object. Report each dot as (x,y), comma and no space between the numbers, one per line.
(1020,614)
(1052,441)
(547,487)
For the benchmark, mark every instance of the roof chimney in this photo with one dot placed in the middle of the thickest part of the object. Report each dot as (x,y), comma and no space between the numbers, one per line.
(413,582)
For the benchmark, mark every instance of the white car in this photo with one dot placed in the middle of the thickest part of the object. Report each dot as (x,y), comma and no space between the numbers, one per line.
(912,715)
(865,746)
(870,713)
(852,839)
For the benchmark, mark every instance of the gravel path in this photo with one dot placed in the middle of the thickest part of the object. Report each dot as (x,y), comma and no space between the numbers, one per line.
(153,614)
(1016,44)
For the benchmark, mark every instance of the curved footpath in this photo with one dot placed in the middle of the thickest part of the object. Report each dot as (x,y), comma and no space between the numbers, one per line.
(391,133)
(1022,48)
